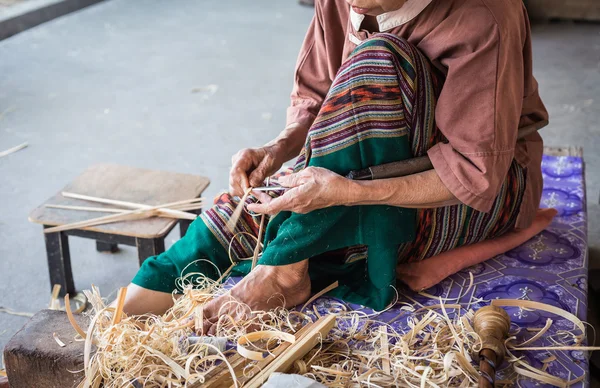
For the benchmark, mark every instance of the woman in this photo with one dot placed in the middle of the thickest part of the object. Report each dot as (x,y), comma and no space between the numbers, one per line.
(377,81)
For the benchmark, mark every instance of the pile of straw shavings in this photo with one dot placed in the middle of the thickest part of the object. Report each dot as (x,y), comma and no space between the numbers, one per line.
(160,351)
(434,351)
(434,346)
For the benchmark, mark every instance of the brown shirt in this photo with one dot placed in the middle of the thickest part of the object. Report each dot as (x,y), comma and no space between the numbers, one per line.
(484,49)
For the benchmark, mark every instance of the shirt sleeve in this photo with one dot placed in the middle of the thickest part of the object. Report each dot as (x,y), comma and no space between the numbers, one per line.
(479,109)
(317,65)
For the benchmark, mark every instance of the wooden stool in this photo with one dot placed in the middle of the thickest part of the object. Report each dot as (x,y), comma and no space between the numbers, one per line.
(121,183)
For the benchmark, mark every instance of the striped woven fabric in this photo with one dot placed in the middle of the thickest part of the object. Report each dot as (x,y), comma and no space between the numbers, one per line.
(380,109)
(375,95)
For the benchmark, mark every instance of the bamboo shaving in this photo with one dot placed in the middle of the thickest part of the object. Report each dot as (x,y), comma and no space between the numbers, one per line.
(58,341)
(13,149)
(258,242)
(8,311)
(260,354)
(437,349)
(71,318)
(233,220)
(54,302)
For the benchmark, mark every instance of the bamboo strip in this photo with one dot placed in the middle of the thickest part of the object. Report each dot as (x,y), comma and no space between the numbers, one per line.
(233,220)
(298,350)
(115,210)
(258,242)
(71,318)
(58,341)
(199,319)
(54,302)
(385,348)
(13,149)
(319,294)
(119,307)
(132,205)
(128,216)
(220,376)
(223,379)
(258,336)
(8,311)
(87,208)
(539,306)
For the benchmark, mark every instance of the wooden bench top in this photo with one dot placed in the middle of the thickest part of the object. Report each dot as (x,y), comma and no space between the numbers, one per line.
(123,183)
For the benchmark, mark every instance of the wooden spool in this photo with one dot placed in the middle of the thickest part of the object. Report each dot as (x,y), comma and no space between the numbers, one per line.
(492,324)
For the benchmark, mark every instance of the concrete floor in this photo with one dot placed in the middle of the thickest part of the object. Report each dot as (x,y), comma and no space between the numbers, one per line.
(114,82)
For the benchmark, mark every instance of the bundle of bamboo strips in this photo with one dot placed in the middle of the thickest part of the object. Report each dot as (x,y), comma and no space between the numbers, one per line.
(137,211)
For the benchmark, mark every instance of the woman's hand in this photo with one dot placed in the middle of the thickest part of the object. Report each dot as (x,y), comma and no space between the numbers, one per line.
(311,189)
(251,166)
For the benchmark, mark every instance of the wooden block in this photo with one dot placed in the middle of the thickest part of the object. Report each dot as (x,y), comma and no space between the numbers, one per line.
(111,181)
(561,9)
(34,359)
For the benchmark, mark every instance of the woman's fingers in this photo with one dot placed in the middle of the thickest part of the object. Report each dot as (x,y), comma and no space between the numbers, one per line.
(262,196)
(238,181)
(275,205)
(258,176)
(242,164)
(292,180)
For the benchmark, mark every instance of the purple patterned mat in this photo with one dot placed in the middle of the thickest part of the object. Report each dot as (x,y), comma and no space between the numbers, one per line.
(550,268)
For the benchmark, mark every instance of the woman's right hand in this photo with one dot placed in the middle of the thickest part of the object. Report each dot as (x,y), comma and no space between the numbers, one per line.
(251,166)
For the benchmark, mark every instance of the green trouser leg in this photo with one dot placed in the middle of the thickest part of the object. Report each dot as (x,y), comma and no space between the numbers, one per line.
(194,257)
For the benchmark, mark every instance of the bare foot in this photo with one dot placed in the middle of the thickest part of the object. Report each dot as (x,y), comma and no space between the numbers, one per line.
(264,288)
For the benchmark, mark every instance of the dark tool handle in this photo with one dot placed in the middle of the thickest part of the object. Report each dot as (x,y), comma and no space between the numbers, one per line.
(393,170)
(487,369)
(419,164)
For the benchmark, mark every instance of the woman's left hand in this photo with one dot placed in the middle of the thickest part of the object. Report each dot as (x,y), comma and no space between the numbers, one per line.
(310,189)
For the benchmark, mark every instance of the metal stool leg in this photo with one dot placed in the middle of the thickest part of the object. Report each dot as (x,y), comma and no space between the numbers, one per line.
(105,247)
(59,262)
(148,247)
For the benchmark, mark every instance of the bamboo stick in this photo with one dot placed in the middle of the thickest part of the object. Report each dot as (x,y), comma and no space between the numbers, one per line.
(54,303)
(132,205)
(164,207)
(220,376)
(87,208)
(257,248)
(119,307)
(128,216)
(195,206)
(296,351)
(13,149)
(385,347)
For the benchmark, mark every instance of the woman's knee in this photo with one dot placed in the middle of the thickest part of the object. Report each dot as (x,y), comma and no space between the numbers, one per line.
(389,43)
